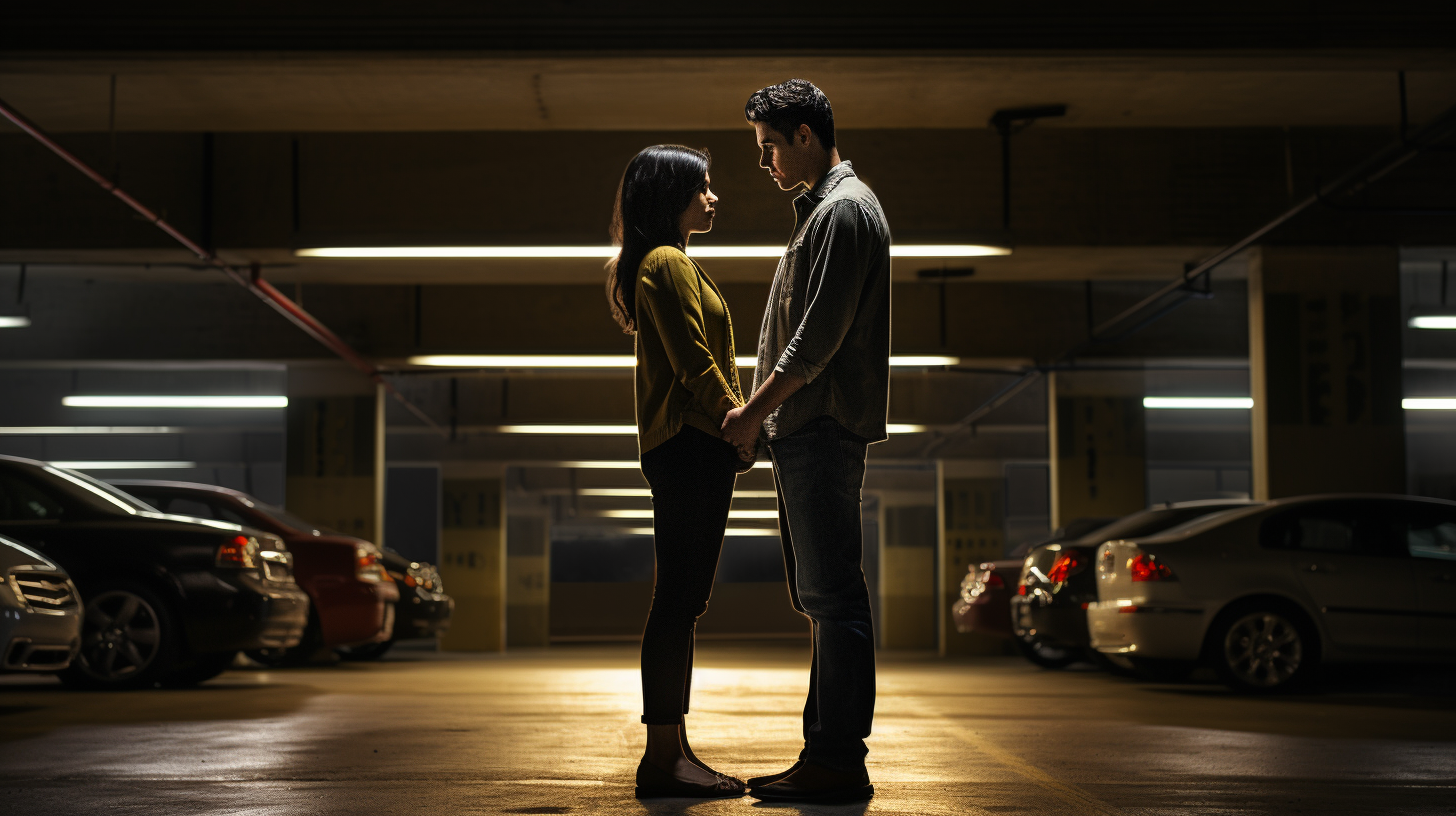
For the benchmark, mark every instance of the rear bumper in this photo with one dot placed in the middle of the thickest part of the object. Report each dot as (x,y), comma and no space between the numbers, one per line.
(988,613)
(241,612)
(1172,633)
(416,617)
(353,612)
(1061,623)
(39,641)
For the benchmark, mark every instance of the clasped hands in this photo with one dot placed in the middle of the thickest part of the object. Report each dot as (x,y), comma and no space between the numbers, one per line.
(740,429)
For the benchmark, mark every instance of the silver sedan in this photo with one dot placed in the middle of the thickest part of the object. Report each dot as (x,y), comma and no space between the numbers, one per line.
(1266,593)
(40,612)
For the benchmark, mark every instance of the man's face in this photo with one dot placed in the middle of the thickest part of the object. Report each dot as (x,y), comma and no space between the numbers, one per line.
(785,159)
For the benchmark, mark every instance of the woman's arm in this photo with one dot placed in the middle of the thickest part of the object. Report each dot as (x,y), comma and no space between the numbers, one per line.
(672,294)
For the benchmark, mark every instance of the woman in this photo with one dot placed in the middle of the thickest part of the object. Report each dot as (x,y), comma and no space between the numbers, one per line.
(686,382)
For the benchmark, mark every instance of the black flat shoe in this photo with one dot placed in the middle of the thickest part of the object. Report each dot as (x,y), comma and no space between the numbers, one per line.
(817,784)
(655,783)
(760,781)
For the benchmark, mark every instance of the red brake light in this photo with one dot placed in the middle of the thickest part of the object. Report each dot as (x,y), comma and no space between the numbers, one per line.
(1144,567)
(237,551)
(1021,590)
(992,580)
(1066,564)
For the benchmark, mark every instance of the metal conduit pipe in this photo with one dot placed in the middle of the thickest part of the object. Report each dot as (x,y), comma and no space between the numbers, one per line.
(1362,175)
(253,281)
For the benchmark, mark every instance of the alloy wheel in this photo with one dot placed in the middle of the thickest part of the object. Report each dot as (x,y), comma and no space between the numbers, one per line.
(121,636)
(1263,649)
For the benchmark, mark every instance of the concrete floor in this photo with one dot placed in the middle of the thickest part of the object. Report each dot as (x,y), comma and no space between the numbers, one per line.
(556,731)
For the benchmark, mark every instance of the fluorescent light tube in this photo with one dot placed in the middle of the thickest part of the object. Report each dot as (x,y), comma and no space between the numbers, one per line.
(1433,322)
(57,430)
(1214,403)
(634,513)
(614,361)
(14,322)
(1429,404)
(646,493)
(569,430)
(728,533)
(626,464)
(174,402)
(904,429)
(121,465)
(603,252)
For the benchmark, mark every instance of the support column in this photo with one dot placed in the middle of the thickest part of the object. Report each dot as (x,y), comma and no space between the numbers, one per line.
(333,453)
(972,532)
(472,564)
(1097,441)
(528,579)
(1325,371)
(909,536)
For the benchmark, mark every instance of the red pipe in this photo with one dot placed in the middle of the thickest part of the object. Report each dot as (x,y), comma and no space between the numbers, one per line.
(254,282)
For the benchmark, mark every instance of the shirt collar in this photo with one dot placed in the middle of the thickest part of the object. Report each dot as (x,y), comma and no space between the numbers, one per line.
(826,185)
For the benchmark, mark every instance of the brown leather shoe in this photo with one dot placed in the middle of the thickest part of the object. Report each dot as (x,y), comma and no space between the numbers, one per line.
(760,781)
(815,783)
(653,783)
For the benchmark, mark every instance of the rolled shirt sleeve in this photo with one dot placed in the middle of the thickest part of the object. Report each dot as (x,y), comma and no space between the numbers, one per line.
(672,292)
(844,245)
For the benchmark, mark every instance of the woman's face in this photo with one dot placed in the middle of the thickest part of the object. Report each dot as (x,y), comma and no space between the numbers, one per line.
(698,217)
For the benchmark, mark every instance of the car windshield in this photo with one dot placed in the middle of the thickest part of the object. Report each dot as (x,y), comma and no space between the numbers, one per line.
(1155,520)
(287,519)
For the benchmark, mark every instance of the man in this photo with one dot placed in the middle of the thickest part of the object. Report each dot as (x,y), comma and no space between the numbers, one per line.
(821,388)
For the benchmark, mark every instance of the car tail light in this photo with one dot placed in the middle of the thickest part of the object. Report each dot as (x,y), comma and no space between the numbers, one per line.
(1021,590)
(369,564)
(1144,567)
(992,580)
(1066,565)
(239,551)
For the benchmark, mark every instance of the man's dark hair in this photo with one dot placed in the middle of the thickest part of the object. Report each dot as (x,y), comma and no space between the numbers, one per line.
(787,105)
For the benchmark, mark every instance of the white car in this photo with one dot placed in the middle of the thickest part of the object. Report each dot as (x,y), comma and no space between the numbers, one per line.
(40,612)
(1264,594)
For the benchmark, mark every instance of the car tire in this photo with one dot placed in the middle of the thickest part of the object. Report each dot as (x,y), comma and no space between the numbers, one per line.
(199,669)
(1159,670)
(1044,654)
(1263,648)
(366,651)
(129,639)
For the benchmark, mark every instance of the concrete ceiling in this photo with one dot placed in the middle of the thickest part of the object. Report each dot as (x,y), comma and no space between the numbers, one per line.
(295,93)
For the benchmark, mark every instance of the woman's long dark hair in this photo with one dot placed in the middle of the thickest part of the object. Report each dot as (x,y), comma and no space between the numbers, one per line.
(659,184)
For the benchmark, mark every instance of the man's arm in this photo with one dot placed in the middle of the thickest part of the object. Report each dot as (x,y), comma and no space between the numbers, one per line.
(741,425)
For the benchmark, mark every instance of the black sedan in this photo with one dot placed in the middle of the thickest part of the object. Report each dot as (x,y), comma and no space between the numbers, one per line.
(1058,581)
(169,600)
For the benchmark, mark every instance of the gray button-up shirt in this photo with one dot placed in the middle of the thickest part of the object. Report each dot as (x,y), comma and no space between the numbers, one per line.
(828,313)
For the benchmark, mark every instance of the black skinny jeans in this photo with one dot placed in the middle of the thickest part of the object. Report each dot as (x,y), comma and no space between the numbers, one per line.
(692,477)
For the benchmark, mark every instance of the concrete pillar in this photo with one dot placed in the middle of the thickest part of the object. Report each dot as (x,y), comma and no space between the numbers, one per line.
(972,531)
(1097,441)
(909,538)
(528,579)
(472,564)
(1325,371)
(332,459)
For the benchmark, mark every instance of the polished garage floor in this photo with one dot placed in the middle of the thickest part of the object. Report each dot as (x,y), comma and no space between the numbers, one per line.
(555,732)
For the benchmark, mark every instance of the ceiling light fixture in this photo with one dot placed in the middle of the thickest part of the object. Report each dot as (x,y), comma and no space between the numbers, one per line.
(14,321)
(627,430)
(646,513)
(1432,321)
(123,465)
(619,361)
(646,493)
(173,402)
(1429,404)
(58,430)
(1206,403)
(728,533)
(603,252)
(618,464)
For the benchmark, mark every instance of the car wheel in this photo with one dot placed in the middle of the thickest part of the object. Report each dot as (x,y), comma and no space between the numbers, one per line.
(199,670)
(366,651)
(1263,649)
(1160,670)
(129,639)
(1044,654)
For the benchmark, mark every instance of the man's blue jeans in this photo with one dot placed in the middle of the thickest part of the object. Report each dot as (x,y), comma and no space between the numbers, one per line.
(819,472)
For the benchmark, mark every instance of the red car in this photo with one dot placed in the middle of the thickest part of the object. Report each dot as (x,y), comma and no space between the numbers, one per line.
(352,594)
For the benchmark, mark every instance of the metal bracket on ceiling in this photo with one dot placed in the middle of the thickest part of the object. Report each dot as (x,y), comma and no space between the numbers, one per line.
(1008,121)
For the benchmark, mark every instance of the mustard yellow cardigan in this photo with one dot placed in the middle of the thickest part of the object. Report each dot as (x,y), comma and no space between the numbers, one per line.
(686,372)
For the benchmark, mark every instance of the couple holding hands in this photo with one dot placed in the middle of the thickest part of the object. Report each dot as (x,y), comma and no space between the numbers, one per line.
(819,398)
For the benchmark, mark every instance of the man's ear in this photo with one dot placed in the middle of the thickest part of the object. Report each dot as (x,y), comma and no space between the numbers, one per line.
(804,135)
